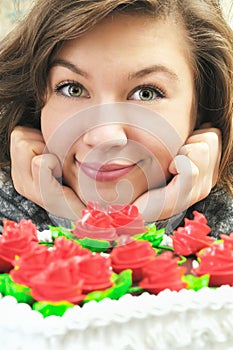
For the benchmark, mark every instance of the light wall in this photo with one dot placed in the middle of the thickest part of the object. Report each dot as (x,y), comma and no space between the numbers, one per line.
(12,10)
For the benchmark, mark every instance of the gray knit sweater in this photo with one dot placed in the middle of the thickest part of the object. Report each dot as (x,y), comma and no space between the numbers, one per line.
(217,207)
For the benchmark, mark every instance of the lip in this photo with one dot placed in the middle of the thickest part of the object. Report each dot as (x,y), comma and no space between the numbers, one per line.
(106,172)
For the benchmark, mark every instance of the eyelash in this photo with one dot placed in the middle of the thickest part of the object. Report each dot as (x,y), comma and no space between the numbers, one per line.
(160,92)
(69,83)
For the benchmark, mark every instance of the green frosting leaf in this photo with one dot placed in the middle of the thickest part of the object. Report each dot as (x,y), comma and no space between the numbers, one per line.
(21,293)
(95,245)
(196,283)
(153,235)
(3,280)
(59,231)
(121,286)
(136,290)
(182,260)
(49,308)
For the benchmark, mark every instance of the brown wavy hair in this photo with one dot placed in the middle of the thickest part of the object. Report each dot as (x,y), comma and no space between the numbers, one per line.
(26,53)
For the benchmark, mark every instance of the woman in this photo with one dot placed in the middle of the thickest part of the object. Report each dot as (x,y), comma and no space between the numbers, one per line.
(69,66)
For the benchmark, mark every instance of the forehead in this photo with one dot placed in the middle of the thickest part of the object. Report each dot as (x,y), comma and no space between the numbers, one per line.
(137,35)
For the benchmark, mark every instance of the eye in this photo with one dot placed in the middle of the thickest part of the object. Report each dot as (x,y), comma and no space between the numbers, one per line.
(146,93)
(71,89)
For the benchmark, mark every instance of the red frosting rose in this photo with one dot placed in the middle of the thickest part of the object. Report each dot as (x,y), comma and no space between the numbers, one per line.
(228,240)
(133,255)
(65,248)
(126,219)
(41,270)
(16,239)
(217,261)
(192,237)
(60,281)
(38,258)
(71,279)
(95,273)
(161,273)
(109,223)
(31,264)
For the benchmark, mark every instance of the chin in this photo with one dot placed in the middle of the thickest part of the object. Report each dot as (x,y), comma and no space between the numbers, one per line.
(117,196)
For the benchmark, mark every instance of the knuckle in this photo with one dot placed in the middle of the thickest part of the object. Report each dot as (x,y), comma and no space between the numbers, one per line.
(213,138)
(205,191)
(195,172)
(17,133)
(18,143)
(18,185)
(36,161)
(204,149)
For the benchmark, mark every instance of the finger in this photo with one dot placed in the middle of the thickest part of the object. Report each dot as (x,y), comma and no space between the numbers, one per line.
(24,144)
(21,133)
(212,138)
(42,168)
(48,161)
(199,154)
(52,196)
(174,198)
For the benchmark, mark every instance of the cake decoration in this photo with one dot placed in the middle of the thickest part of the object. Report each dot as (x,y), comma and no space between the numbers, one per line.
(130,289)
(109,223)
(126,257)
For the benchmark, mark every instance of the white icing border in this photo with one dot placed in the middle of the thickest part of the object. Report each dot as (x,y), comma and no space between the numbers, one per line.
(171,320)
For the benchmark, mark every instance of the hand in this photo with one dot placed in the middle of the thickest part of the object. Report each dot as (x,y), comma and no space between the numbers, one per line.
(195,173)
(34,173)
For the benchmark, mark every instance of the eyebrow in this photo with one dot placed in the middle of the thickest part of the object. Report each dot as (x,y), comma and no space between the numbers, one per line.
(135,75)
(70,66)
(158,68)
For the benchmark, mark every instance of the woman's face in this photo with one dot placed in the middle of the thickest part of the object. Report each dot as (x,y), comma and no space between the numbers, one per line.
(120,103)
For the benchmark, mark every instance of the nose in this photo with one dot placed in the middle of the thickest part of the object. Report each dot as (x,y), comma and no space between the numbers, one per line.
(111,135)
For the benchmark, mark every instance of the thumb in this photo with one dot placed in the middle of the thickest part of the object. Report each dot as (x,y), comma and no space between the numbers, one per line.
(162,203)
(57,199)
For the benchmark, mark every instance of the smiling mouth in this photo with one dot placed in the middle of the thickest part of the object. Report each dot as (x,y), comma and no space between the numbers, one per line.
(106,172)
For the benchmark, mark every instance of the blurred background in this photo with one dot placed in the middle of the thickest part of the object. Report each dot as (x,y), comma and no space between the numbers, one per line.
(12,10)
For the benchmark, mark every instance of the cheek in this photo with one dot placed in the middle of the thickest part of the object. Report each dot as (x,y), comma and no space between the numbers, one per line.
(47,123)
(182,122)
(161,146)
(162,158)
(52,128)
(70,172)
(53,116)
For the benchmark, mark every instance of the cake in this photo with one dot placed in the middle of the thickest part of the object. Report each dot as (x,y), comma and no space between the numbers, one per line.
(113,282)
